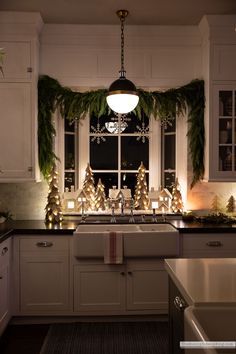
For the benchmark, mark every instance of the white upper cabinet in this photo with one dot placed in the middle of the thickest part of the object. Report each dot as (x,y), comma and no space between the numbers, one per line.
(224,128)
(17,64)
(16,133)
(18,96)
(218,62)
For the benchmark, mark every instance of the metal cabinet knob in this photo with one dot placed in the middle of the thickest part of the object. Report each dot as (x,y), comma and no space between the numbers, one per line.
(44,244)
(214,244)
(122,273)
(1,277)
(179,303)
(130,273)
(4,250)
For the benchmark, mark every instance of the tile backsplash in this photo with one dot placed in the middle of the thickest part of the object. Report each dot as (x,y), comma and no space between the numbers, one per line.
(24,200)
(27,201)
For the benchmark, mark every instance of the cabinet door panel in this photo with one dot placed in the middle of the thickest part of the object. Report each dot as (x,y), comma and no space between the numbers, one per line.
(147,288)
(4,292)
(98,288)
(44,283)
(16,61)
(16,135)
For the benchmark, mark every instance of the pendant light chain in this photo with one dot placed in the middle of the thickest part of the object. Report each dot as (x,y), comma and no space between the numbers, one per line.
(122,96)
(122,71)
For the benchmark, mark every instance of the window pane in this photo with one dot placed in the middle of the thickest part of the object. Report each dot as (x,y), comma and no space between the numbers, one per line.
(69,152)
(225,131)
(130,180)
(225,158)
(68,126)
(104,156)
(134,151)
(108,180)
(169,152)
(94,121)
(170,127)
(69,179)
(169,180)
(225,103)
(135,125)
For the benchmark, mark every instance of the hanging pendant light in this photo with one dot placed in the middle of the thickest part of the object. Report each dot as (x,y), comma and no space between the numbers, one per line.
(122,96)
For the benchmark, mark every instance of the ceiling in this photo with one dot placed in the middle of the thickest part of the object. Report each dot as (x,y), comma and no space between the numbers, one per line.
(142,12)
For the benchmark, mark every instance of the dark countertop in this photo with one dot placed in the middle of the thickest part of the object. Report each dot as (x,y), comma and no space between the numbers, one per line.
(67,227)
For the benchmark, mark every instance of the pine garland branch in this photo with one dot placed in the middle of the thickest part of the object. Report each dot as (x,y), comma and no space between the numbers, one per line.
(162,105)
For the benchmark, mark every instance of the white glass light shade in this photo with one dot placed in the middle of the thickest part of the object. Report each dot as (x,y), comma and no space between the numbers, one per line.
(122,102)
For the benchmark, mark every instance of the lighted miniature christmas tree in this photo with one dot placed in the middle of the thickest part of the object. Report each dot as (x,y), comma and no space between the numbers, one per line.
(230,207)
(141,199)
(89,189)
(176,202)
(215,205)
(100,196)
(53,207)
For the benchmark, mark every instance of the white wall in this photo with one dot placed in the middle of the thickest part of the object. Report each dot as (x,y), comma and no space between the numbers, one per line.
(156,57)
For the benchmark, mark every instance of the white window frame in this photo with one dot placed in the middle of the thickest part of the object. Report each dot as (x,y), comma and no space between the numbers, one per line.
(154,152)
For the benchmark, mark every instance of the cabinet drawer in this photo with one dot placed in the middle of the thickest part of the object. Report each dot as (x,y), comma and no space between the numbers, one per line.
(209,245)
(44,243)
(5,252)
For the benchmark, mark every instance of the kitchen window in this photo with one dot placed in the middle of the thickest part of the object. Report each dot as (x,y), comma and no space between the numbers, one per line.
(115,155)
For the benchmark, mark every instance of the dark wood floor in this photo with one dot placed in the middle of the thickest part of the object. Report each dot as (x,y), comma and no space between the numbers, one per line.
(23,339)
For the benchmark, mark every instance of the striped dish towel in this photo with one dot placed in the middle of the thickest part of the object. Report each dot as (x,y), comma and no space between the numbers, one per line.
(113,247)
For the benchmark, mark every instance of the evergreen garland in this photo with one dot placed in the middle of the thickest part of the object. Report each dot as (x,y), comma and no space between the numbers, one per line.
(162,105)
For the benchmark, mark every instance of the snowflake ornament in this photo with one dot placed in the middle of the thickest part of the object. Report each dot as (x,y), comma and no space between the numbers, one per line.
(99,131)
(143,131)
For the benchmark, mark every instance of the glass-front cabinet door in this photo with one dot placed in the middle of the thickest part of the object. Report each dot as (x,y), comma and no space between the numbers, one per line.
(224,133)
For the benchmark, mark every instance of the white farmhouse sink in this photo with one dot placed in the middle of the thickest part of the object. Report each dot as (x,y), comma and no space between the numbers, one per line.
(210,324)
(157,227)
(153,240)
(106,227)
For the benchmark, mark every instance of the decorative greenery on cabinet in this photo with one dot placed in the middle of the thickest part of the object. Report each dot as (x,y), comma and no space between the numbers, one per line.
(73,105)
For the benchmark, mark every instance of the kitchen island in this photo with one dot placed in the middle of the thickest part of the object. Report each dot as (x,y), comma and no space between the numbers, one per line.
(204,283)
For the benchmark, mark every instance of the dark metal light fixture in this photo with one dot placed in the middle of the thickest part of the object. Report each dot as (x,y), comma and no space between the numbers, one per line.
(122,96)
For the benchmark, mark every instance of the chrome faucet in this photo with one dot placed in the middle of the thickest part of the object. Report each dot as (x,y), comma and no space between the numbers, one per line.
(113,219)
(122,204)
(131,219)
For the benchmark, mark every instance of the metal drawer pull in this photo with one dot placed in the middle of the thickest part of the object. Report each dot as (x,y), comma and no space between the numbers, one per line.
(122,273)
(4,250)
(130,273)
(1,277)
(214,244)
(44,244)
(179,303)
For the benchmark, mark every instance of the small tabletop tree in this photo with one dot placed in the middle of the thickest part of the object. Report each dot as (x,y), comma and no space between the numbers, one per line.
(53,207)
(176,202)
(100,197)
(89,189)
(141,199)
(230,207)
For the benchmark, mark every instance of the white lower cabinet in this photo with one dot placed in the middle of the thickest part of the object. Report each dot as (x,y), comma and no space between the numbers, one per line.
(147,286)
(99,287)
(139,286)
(5,303)
(208,245)
(44,275)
